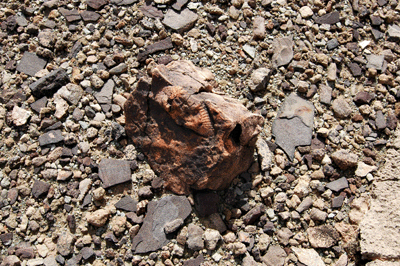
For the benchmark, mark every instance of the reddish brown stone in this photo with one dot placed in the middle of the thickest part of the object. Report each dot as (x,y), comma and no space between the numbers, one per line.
(40,188)
(251,216)
(6,238)
(25,253)
(192,137)
(70,15)
(363,97)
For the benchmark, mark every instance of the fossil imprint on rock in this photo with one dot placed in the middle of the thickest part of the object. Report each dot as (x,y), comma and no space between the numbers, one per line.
(192,137)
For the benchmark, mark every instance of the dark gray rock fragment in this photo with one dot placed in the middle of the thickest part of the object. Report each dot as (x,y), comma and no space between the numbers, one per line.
(6,238)
(9,24)
(195,237)
(49,84)
(156,47)
(377,34)
(393,33)
(51,137)
(325,94)
(133,218)
(39,104)
(21,20)
(293,124)
(355,69)
(126,204)
(376,20)
(123,2)
(113,172)
(251,216)
(260,78)
(119,69)
(194,262)
(330,18)
(375,61)
(338,184)
(30,64)
(151,235)
(363,97)
(380,120)
(337,202)
(75,49)
(332,44)
(304,205)
(87,253)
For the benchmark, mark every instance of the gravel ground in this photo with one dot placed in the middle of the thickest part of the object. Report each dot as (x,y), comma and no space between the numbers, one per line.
(67,68)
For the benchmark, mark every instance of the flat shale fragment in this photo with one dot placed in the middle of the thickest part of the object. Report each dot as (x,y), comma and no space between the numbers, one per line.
(293,124)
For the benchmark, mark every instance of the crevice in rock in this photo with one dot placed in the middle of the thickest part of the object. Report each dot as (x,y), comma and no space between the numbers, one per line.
(235,134)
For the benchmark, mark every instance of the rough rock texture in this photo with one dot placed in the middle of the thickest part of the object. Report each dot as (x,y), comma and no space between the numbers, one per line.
(379,228)
(323,236)
(192,137)
(151,236)
(293,124)
(345,159)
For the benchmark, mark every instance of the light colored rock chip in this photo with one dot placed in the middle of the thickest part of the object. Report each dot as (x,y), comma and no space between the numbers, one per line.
(71,92)
(258,28)
(264,153)
(20,116)
(308,257)
(65,243)
(211,238)
(98,218)
(306,12)
(341,108)
(363,169)
(61,106)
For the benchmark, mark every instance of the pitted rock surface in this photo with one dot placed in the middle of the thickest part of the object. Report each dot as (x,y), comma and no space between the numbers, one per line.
(193,138)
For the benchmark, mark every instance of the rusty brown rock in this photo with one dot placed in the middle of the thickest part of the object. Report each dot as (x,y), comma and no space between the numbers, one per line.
(192,137)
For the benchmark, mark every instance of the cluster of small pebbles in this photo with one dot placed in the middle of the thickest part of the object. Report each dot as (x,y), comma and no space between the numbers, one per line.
(75,190)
